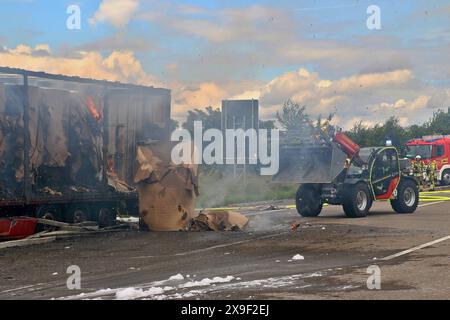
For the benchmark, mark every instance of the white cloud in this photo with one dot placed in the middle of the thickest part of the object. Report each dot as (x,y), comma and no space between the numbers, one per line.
(418,103)
(370,97)
(255,23)
(116,12)
(373,80)
(198,96)
(117,66)
(355,98)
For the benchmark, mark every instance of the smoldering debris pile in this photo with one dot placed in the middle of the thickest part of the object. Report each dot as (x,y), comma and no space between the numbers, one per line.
(167,195)
(218,221)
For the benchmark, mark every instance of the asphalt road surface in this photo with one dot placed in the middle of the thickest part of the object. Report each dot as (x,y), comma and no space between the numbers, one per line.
(411,253)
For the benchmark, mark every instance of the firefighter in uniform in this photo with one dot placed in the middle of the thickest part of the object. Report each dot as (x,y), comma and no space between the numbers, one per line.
(432,167)
(419,170)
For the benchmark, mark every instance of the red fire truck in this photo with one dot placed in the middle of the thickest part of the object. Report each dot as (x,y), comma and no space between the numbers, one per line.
(433,148)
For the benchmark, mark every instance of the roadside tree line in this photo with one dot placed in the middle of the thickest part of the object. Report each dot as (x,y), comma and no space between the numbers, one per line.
(293,115)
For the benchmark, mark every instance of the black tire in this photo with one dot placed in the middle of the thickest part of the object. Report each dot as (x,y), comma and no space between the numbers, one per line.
(308,201)
(445,181)
(48,212)
(76,214)
(357,200)
(106,217)
(407,197)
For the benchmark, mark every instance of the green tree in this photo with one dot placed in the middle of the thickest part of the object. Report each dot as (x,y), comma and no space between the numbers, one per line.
(417,131)
(392,130)
(292,116)
(366,136)
(210,117)
(439,123)
(377,135)
(360,134)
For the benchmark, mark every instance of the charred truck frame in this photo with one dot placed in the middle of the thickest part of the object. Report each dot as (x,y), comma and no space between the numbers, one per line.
(68,144)
(332,169)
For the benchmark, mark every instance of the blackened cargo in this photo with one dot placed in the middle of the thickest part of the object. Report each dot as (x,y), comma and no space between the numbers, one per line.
(68,144)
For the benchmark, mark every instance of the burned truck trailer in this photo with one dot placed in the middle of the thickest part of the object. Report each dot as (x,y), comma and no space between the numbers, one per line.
(68,144)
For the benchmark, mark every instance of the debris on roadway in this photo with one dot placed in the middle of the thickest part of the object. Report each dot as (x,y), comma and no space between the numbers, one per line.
(23,231)
(218,221)
(295,227)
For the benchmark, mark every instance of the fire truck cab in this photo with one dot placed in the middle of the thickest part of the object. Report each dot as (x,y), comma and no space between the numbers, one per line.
(432,148)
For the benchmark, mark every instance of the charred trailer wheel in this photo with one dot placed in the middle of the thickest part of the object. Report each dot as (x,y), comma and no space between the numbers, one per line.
(308,200)
(407,197)
(357,200)
(106,217)
(76,213)
(445,181)
(48,212)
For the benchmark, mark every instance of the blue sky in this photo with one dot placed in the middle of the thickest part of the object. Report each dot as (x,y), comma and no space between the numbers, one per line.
(44,20)
(208,50)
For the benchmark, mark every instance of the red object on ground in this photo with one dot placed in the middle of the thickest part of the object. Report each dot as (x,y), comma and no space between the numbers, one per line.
(349,147)
(17,228)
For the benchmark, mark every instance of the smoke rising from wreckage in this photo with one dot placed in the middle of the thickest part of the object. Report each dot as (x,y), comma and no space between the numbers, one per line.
(228,148)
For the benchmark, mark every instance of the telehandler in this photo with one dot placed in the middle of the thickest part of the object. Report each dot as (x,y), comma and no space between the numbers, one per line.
(331,169)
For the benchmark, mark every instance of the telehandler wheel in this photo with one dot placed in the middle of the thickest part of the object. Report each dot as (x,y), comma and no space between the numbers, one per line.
(407,197)
(308,201)
(357,201)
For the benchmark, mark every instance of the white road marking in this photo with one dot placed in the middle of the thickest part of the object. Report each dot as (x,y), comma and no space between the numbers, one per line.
(17,289)
(430,204)
(216,247)
(428,244)
(252,214)
(230,244)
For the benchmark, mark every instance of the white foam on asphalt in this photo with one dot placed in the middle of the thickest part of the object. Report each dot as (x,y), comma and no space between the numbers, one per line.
(154,290)
(298,257)
(194,288)
(313,275)
(135,293)
(207,282)
(177,277)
